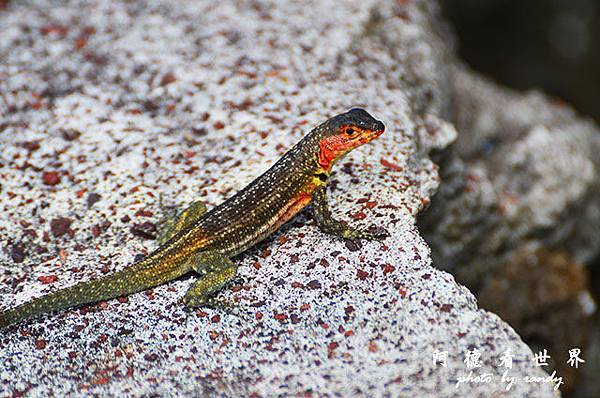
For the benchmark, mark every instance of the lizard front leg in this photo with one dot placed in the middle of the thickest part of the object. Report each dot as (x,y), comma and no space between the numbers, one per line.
(328,224)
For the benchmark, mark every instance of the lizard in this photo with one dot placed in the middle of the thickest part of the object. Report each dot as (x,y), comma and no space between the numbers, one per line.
(205,241)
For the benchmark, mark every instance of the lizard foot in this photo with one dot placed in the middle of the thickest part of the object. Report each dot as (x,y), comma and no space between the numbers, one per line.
(226,306)
(177,220)
(370,234)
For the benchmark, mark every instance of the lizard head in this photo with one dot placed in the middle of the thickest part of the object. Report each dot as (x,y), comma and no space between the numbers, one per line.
(344,132)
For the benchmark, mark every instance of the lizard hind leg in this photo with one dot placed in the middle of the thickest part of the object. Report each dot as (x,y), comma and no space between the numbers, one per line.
(216,271)
(183,219)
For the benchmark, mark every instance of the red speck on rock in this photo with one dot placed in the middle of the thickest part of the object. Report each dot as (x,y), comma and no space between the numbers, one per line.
(80,42)
(390,165)
(314,284)
(101,381)
(373,346)
(92,199)
(359,215)
(168,78)
(151,357)
(280,317)
(402,290)
(331,348)
(244,105)
(17,253)
(215,318)
(323,324)
(362,275)
(387,268)
(31,146)
(40,344)
(144,213)
(219,125)
(48,279)
(60,226)
(351,245)
(58,29)
(50,177)
(446,307)
(63,255)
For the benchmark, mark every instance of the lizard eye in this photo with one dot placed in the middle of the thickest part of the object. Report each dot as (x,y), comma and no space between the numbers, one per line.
(350,131)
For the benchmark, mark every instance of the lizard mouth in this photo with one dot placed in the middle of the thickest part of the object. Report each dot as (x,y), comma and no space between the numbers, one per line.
(370,135)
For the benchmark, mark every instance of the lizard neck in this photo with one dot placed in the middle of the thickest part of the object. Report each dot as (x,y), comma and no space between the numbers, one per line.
(326,156)
(329,151)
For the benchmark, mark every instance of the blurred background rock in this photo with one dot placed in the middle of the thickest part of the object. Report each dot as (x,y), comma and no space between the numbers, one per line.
(551,45)
(517,218)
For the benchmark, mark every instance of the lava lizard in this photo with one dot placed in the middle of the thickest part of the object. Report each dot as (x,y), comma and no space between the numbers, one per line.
(204,241)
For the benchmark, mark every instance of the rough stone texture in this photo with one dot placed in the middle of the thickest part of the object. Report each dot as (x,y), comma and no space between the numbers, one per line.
(107,106)
(518,215)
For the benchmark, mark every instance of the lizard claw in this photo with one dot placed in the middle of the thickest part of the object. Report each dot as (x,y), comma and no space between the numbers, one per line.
(357,234)
(223,305)
(228,307)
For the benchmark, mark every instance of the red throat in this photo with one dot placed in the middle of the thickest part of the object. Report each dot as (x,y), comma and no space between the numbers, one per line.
(328,151)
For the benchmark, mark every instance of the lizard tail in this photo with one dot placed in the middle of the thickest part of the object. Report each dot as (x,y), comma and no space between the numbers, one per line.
(147,273)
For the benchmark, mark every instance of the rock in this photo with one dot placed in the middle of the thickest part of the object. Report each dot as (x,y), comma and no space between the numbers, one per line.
(517,217)
(253,78)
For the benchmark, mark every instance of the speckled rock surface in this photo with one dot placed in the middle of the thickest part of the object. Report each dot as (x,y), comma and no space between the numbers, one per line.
(108,106)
